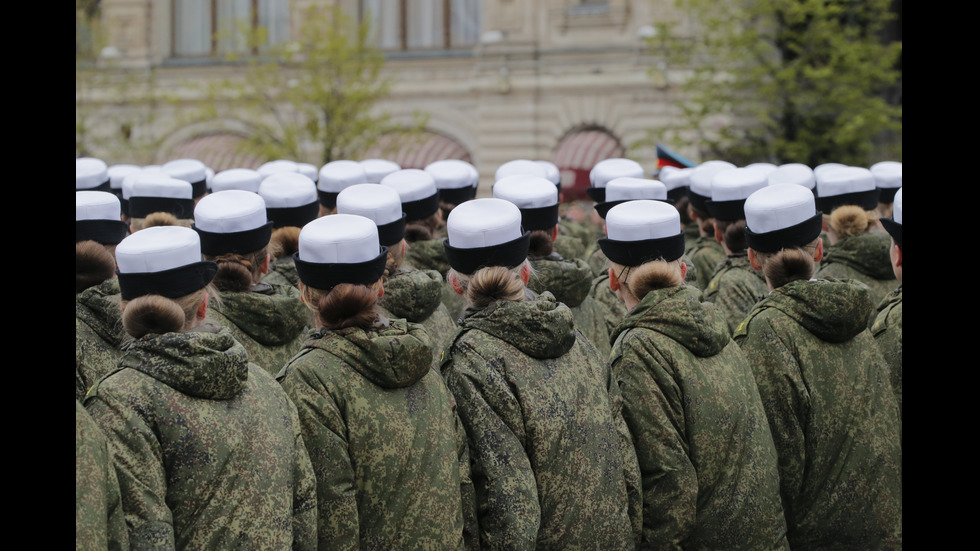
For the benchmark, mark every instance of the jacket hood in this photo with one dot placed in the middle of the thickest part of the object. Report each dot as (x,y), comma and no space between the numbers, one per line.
(540,327)
(427,255)
(393,355)
(271,314)
(204,363)
(98,307)
(413,294)
(867,253)
(569,280)
(678,313)
(834,310)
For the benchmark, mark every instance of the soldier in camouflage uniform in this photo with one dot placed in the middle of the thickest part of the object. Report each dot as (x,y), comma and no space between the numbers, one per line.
(706,454)
(553,465)
(824,384)
(707,252)
(887,329)
(269,320)
(99,520)
(291,202)
(207,446)
(390,457)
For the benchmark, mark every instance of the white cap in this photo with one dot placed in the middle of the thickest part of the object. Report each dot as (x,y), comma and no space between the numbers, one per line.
(893,225)
(737,184)
(676,178)
(337,175)
(279,165)
(551,171)
(157,184)
(230,211)
(609,169)
(381,204)
(766,168)
(483,223)
(849,185)
(793,173)
(189,170)
(377,169)
(897,207)
(451,174)
(118,172)
(628,189)
(244,179)
(821,168)
(641,220)
(666,171)
(91,173)
(526,191)
(130,179)
(888,174)
(412,184)
(520,167)
(287,190)
(778,207)
(158,249)
(703,175)
(339,239)
(96,205)
(308,170)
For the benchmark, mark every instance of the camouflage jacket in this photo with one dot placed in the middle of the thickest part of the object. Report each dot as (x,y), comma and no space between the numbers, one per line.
(864,258)
(570,281)
(735,289)
(416,296)
(705,256)
(598,263)
(99,521)
(99,334)
(588,234)
(389,453)
(613,309)
(887,331)
(282,272)
(431,255)
(709,466)
(207,447)
(553,466)
(270,321)
(833,414)
(568,246)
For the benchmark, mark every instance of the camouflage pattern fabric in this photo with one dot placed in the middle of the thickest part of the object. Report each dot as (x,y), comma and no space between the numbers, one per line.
(570,281)
(207,447)
(431,255)
(99,334)
(864,258)
(588,234)
(613,309)
(833,414)
(416,296)
(691,234)
(887,331)
(282,272)
(99,521)
(705,256)
(568,246)
(706,454)
(735,289)
(390,457)
(270,321)
(553,465)
(598,262)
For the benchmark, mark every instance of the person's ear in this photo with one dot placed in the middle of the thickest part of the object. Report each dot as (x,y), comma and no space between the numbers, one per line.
(454,283)
(683,271)
(525,273)
(898,255)
(754,260)
(718,236)
(264,268)
(613,281)
(381,291)
(818,254)
(202,309)
(554,234)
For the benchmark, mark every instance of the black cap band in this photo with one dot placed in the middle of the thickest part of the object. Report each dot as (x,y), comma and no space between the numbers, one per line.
(140,207)
(541,218)
(867,200)
(325,276)
(293,216)
(597,194)
(726,211)
(173,283)
(887,194)
(106,232)
(676,194)
(698,201)
(422,208)
(634,253)
(797,235)
(456,196)
(509,255)
(392,232)
(893,228)
(199,188)
(239,242)
(328,198)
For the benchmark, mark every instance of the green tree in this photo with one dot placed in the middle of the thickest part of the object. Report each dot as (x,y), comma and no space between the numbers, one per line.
(785,80)
(315,96)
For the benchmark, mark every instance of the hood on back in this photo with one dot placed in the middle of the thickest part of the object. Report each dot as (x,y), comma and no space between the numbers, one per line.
(98,307)
(540,327)
(867,253)
(427,255)
(678,313)
(834,310)
(413,294)
(395,355)
(569,280)
(273,315)
(205,363)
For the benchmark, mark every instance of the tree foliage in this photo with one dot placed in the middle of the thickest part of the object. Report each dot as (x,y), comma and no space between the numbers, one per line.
(315,96)
(786,80)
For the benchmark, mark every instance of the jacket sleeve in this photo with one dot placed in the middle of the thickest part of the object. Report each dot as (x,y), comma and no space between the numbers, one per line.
(325,437)
(304,493)
(785,398)
(471,525)
(138,458)
(631,468)
(506,491)
(653,409)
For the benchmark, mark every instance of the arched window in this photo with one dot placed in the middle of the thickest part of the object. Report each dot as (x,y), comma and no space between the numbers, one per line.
(219,151)
(418,151)
(578,152)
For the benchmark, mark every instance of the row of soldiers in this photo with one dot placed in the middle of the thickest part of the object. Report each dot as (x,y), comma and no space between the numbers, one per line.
(412,367)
